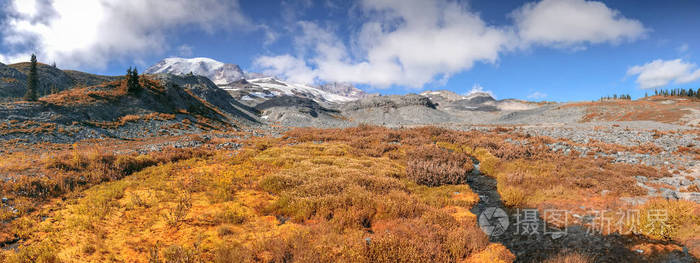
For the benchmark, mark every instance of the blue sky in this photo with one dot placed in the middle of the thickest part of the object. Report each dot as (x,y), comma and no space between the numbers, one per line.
(561,50)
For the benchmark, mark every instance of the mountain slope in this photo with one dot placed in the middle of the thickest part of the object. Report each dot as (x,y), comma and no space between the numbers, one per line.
(166,104)
(12,82)
(203,88)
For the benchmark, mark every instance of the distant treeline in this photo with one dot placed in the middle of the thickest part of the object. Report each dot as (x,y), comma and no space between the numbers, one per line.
(659,92)
(617,97)
(678,93)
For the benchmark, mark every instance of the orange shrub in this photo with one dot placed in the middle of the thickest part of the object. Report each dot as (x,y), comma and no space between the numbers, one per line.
(569,258)
(432,166)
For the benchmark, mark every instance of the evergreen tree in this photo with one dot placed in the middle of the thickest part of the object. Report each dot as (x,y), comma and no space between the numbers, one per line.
(32,81)
(132,80)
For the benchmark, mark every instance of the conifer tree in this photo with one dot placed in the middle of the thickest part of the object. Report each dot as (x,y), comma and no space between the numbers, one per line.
(32,81)
(132,80)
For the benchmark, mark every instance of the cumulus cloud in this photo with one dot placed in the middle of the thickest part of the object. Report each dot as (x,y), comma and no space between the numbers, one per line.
(476,89)
(537,95)
(573,23)
(412,43)
(408,43)
(91,33)
(659,73)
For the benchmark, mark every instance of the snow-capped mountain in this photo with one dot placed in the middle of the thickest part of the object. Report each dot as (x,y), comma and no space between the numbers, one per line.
(218,72)
(475,101)
(258,90)
(343,89)
(479,97)
(437,95)
(253,88)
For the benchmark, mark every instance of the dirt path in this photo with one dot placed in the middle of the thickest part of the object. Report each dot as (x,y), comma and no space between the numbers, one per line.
(528,241)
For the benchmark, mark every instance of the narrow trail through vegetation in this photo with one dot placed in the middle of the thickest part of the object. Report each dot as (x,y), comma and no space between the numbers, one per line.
(540,245)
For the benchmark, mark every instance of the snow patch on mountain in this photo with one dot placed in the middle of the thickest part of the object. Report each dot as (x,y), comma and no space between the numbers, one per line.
(343,89)
(274,88)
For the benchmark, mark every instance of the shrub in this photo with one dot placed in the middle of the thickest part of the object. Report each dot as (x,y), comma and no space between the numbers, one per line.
(232,253)
(174,215)
(487,162)
(224,230)
(433,166)
(178,254)
(232,214)
(569,258)
(435,237)
(494,253)
(44,251)
(666,219)
(511,196)
(101,200)
(276,183)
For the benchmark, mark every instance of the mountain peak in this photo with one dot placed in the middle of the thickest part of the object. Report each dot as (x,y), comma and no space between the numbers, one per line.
(479,96)
(444,94)
(343,89)
(220,73)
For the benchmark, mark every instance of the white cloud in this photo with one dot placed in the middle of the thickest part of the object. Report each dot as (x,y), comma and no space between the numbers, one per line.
(415,42)
(476,88)
(433,39)
(573,23)
(659,73)
(683,48)
(537,95)
(288,67)
(184,51)
(91,33)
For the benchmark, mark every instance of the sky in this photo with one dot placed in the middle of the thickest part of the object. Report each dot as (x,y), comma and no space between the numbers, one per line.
(555,50)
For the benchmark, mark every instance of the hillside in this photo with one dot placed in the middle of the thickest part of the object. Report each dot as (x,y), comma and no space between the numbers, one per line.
(166,105)
(51,80)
